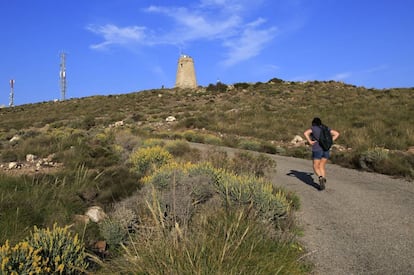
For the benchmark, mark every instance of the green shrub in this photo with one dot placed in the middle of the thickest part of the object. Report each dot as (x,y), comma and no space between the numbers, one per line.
(386,162)
(41,199)
(371,158)
(218,88)
(247,163)
(116,183)
(193,136)
(268,148)
(242,190)
(299,152)
(178,148)
(275,80)
(241,86)
(212,139)
(280,150)
(113,233)
(231,141)
(87,122)
(218,158)
(152,142)
(9,155)
(203,220)
(221,242)
(250,145)
(195,122)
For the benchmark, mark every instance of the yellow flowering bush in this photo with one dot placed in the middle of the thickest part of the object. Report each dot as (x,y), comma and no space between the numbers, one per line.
(60,252)
(20,259)
(146,160)
(46,251)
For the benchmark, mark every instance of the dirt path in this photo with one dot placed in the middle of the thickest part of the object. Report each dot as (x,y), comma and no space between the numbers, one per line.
(363,223)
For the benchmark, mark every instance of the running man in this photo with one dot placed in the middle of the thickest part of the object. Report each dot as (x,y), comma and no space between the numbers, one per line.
(319,156)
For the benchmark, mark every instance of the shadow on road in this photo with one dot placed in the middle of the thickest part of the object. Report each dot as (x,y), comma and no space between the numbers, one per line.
(304,177)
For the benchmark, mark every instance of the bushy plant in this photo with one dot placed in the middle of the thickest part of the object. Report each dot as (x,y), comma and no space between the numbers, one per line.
(123,214)
(242,85)
(195,122)
(218,158)
(216,244)
(383,161)
(146,160)
(248,163)
(298,152)
(178,148)
(61,251)
(372,158)
(247,189)
(45,252)
(268,148)
(218,88)
(113,232)
(9,155)
(193,136)
(87,122)
(231,141)
(212,139)
(242,190)
(20,259)
(152,142)
(275,80)
(203,219)
(251,145)
(116,183)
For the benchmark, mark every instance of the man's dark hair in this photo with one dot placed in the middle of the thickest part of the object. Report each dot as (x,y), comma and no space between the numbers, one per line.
(316,121)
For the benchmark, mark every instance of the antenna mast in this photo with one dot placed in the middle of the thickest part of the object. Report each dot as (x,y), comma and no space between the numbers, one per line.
(62,75)
(11,102)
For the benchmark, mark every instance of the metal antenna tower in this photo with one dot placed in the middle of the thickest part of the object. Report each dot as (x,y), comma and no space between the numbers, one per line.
(11,102)
(62,75)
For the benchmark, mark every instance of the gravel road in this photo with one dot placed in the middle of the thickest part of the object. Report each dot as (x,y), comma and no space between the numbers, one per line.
(362,223)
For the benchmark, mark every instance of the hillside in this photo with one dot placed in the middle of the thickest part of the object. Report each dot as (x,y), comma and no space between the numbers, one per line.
(58,159)
(376,126)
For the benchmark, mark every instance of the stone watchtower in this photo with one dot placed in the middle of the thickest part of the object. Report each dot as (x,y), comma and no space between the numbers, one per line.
(186,77)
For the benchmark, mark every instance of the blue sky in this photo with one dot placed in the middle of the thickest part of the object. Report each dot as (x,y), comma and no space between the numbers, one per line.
(123,46)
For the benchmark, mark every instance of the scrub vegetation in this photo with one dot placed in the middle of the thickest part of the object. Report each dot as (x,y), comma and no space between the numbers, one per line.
(171,208)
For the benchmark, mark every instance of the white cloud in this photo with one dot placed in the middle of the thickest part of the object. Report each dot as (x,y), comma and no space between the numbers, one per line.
(229,5)
(114,35)
(209,20)
(376,69)
(249,43)
(341,76)
(191,25)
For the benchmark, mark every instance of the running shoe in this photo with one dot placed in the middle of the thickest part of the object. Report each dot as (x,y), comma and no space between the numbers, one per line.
(322,183)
